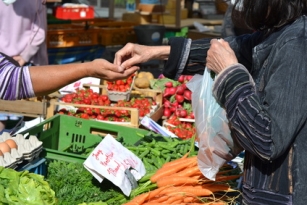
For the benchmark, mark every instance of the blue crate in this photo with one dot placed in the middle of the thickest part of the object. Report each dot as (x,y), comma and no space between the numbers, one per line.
(37,166)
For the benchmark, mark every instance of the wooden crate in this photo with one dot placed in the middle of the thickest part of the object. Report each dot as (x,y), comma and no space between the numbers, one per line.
(134,117)
(31,107)
(115,33)
(69,35)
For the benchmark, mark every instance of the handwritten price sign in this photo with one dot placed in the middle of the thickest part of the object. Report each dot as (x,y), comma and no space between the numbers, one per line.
(110,159)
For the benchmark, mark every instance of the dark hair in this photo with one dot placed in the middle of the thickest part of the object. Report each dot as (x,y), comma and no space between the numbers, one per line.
(267,15)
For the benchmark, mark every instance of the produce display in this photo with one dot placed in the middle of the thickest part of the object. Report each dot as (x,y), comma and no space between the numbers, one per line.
(145,106)
(181,182)
(177,97)
(172,174)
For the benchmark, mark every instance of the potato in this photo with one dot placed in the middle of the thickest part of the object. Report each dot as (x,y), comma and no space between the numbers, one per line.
(147,75)
(142,82)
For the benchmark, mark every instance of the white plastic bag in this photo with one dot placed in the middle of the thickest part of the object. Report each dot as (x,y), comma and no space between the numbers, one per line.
(216,146)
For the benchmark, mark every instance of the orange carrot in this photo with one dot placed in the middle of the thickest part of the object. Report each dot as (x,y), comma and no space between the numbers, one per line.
(227,178)
(216,203)
(197,190)
(159,198)
(176,162)
(215,187)
(140,199)
(189,199)
(169,171)
(176,181)
(190,171)
(174,198)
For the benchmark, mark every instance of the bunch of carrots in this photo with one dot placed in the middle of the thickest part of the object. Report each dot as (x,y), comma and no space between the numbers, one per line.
(181,182)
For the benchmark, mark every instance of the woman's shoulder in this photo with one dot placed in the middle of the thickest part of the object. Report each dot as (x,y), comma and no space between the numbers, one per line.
(296,30)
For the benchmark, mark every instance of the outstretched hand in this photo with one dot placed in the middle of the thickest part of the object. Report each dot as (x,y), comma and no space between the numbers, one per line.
(109,71)
(131,55)
(220,56)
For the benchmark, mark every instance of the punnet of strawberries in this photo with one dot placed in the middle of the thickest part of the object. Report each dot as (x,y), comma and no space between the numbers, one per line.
(123,85)
(182,129)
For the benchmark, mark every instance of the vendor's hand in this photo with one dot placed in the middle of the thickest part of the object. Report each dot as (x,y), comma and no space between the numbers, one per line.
(20,60)
(103,69)
(131,55)
(220,56)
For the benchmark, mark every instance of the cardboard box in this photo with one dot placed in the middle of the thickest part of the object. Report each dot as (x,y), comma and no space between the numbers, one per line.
(137,18)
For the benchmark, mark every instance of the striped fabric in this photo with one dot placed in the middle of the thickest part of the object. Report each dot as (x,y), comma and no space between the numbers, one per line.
(15,81)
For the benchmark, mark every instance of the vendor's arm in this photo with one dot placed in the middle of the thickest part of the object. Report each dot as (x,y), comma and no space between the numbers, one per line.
(24,82)
(262,126)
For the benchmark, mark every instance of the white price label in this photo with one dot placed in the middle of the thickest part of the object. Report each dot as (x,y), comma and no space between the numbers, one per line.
(110,159)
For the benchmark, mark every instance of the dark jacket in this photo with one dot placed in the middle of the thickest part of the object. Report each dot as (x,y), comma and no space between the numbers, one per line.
(266,103)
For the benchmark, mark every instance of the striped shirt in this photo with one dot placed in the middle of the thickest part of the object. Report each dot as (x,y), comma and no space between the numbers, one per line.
(265,100)
(15,80)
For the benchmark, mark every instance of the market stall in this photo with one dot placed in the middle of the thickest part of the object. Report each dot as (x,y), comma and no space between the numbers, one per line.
(76,154)
(129,141)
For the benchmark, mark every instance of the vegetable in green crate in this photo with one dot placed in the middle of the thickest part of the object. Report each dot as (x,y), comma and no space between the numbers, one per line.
(155,150)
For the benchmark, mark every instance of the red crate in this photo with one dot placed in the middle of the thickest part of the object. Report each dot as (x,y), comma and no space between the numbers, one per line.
(74,13)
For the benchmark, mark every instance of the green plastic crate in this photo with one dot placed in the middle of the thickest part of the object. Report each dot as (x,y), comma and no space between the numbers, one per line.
(61,133)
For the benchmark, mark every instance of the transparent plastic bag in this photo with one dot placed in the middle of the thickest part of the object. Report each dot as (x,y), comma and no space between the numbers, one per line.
(216,145)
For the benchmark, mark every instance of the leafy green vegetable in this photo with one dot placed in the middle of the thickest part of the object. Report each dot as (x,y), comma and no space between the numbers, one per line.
(24,188)
(159,84)
(73,183)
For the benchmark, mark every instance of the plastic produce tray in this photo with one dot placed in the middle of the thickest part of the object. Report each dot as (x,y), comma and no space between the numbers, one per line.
(65,137)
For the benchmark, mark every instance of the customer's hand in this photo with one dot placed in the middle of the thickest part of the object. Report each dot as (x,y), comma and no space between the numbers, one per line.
(103,69)
(132,54)
(220,56)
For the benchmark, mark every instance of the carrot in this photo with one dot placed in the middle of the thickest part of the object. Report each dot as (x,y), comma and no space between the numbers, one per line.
(140,199)
(190,171)
(168,171)
(174,198)
(189,199)
(159,199)
(197,190)
(226,178)
(216,203)
(154,193)
(177,180)
(176,162)
(215,187)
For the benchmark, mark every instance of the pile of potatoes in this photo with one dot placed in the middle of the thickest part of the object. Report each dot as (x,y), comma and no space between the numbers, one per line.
(142,80)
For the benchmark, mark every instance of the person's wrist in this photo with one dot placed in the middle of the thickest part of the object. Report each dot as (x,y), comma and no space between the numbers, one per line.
(161,52)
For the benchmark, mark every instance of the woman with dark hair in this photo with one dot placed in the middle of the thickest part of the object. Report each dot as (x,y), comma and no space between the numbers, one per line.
(261,82)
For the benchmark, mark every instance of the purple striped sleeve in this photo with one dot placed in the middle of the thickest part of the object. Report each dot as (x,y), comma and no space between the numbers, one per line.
(15,81)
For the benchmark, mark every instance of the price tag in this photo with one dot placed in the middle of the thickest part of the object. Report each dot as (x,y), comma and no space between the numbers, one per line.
(110,159)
